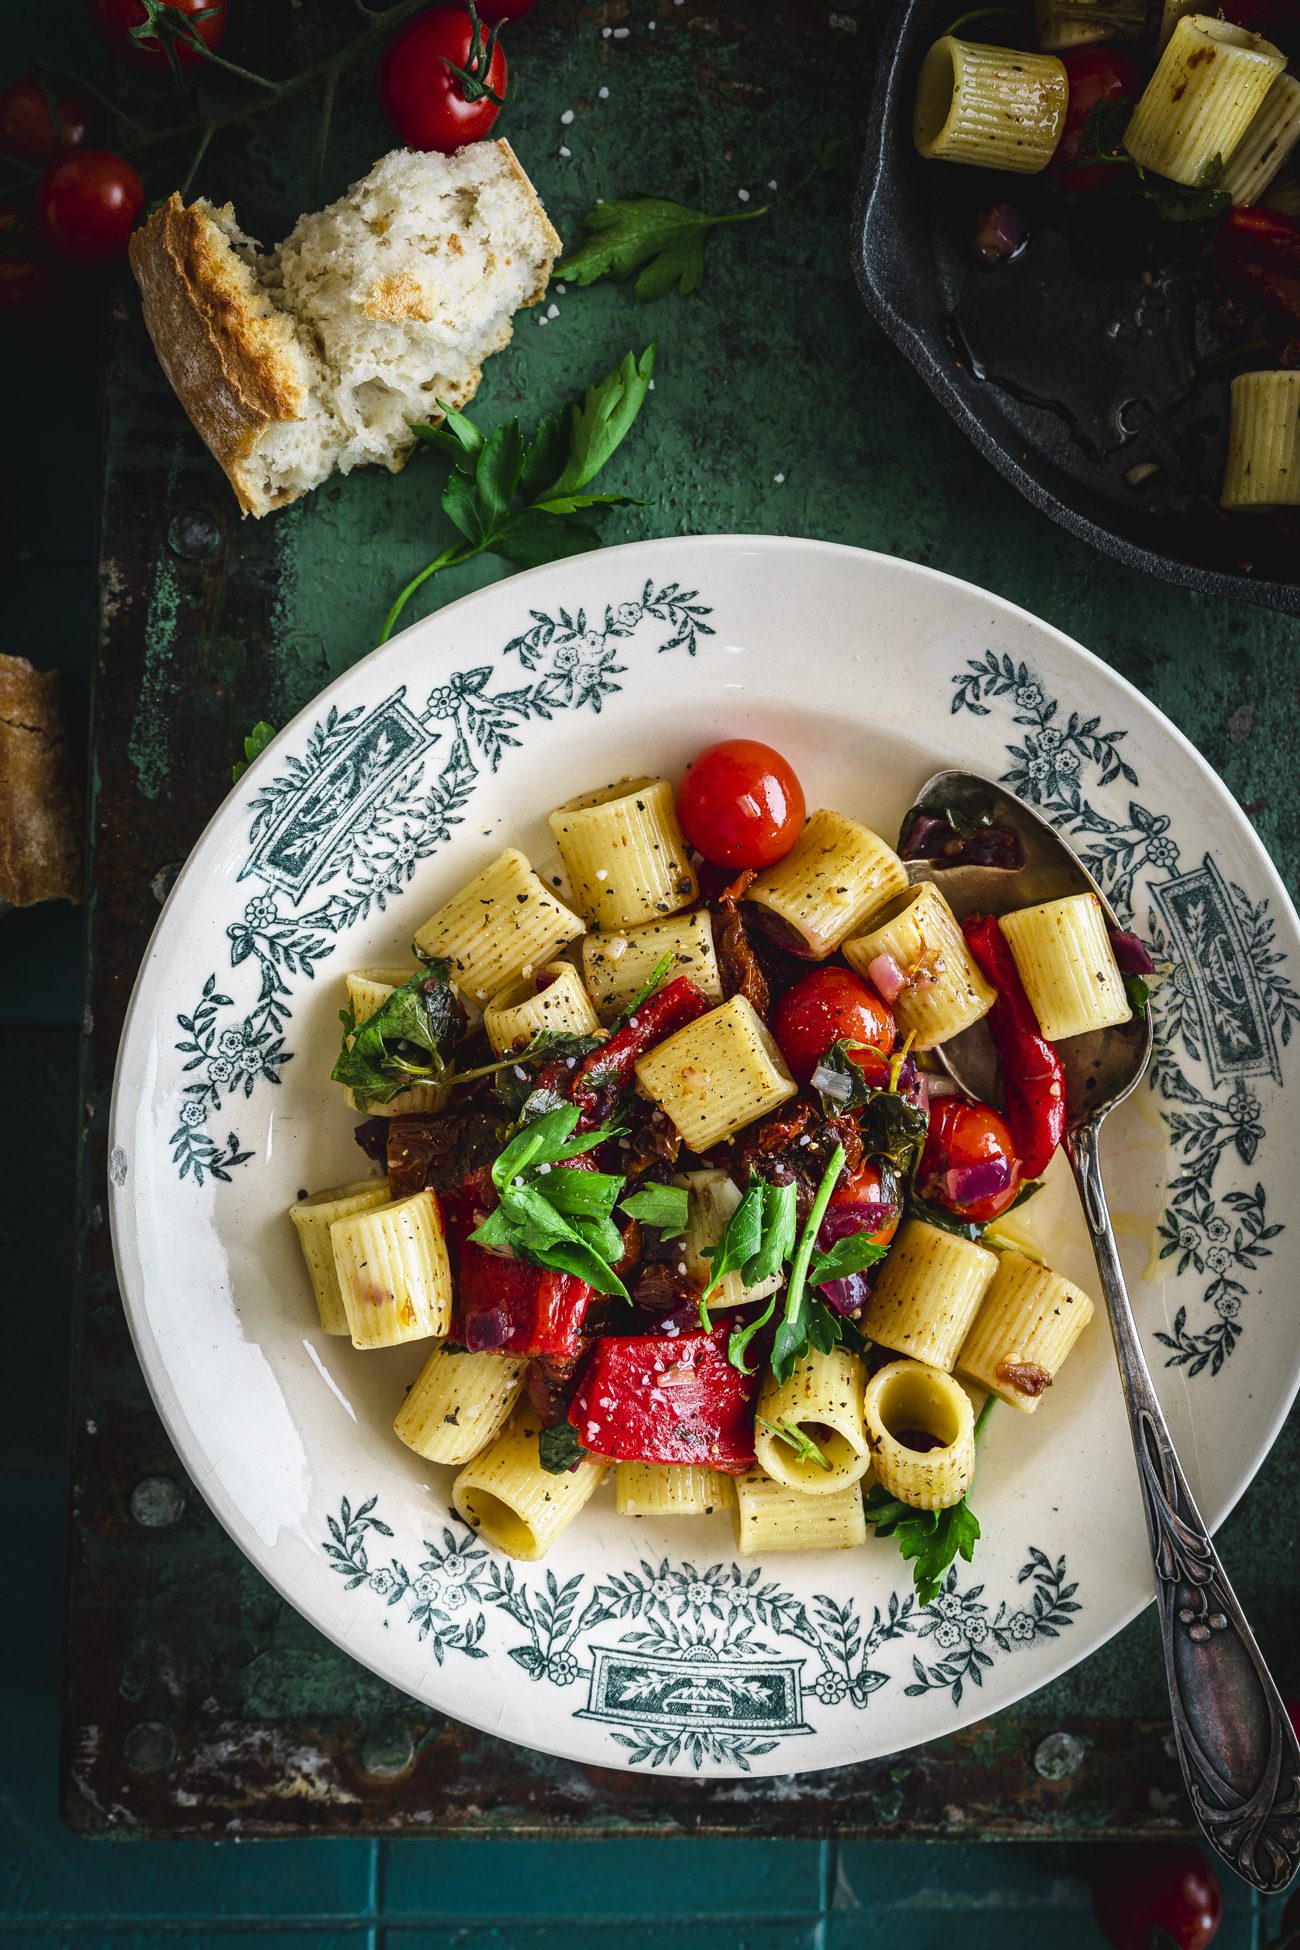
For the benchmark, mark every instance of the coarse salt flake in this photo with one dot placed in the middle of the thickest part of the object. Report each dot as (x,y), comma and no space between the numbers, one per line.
(567,117)
(602,94)
(779,479)
(602,873)
(565,149)
(552,311)
(743,195)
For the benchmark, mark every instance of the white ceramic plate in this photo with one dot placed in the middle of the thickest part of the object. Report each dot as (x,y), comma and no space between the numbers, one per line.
(642,1644)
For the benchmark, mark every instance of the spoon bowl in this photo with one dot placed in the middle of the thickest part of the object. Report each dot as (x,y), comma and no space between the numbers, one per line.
(1102,1067)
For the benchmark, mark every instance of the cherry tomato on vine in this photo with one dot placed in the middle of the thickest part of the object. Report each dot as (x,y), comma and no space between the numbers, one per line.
(969,1165)
(113,20)
(1170,1888)
(1095,74)
(442,79)
(86,207)
(31,131)
(497,12)
(828,1006)
(28,280)
(740,804)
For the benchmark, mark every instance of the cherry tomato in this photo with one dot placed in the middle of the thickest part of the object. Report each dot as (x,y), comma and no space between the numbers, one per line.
(740,804)
(1096,74)
(31,133)
(496,12)
(86,207)
(28,280)
(113,20)
(828,1006)
(429,104)
(869,1185)
(1171,1888)
(964,1136)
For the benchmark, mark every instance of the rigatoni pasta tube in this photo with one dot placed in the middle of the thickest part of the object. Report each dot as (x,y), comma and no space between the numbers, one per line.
(990,105)
(712,1197)
(551,1002)
(393,1272)
(312,1218)
(624,853)
(503,924)
(1265,146)
(832,883)
(1208,86)
(1063,953)
(717,1074)
(822,1401)
(368,990)
(512,1502)
(1263,468)
(643,1489)
(922,1433)
(1028,1321)
(927,1293)
(771,1517)
(457,1403)
(616,967)
(943,990)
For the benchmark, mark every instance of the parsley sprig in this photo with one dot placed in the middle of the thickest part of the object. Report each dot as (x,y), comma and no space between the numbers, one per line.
(518,497)
(254,745)
(660,240)
(929,1539)
(756,1242)
(786,1430)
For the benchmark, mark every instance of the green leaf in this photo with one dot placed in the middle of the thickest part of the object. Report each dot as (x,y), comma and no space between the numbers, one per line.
(460,430)
(558,1448)
(254,745)
(934,1215)
(552,1217)
(544,455)
(460,504)
(1138,990)
(661,239)
(807,1321)
(409,1039)
(665,1206)
(601,424)
(740,1337)
(840,1082)
(539,1143)
(852,1254)
(532,537)
(585,1194)
(572,504)
(497,471)
(741,1239)
(794,1437)
(780,1227)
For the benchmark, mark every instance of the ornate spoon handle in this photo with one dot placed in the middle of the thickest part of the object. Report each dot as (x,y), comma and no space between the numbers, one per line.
(1239,1754)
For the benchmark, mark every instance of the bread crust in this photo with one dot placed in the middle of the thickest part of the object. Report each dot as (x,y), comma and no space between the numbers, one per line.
(554,244)
(230,361)
(40,805)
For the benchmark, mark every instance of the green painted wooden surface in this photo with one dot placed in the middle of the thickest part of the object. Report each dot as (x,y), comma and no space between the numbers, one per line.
(778,407)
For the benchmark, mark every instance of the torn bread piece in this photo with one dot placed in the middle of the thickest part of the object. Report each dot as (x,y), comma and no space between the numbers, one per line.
(40,804)
(316,357)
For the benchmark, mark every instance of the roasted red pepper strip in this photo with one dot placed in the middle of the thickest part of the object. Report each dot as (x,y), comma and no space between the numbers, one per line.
(522,1310)
(1260,251)
(601,1077)
(1033,1076)
(666,1398)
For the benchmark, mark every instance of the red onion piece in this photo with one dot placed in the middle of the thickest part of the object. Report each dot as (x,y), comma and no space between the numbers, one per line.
(849,1295)
(487,1329)
(1131,955)
(966,1184)
(999,233)
(887,977)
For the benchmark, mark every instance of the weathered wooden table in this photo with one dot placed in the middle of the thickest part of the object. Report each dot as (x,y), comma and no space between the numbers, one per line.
(197,1702)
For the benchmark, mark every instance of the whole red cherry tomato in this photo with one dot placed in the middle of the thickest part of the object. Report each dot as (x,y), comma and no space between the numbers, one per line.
(442,79)
(31,132)
(868,1188)
(113,20)
(497,12)
(967,1147)
(1171,1888)
(27,277)
(740,804)
(1096,74)
(86,207)
(828,1006)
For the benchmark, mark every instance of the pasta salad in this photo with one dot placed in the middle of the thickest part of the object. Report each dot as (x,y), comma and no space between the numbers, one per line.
(674,1188)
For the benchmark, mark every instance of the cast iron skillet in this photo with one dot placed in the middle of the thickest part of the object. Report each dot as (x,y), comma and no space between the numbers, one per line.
(1116,349)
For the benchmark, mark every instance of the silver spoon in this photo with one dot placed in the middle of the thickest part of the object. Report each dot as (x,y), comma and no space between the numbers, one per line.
(1238,1750)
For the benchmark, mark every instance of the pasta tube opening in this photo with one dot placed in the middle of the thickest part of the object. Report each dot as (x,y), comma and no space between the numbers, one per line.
(810,1434)
(512,1502)
(1208,86)
(921,1428)
(551,1002)
(835,879)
